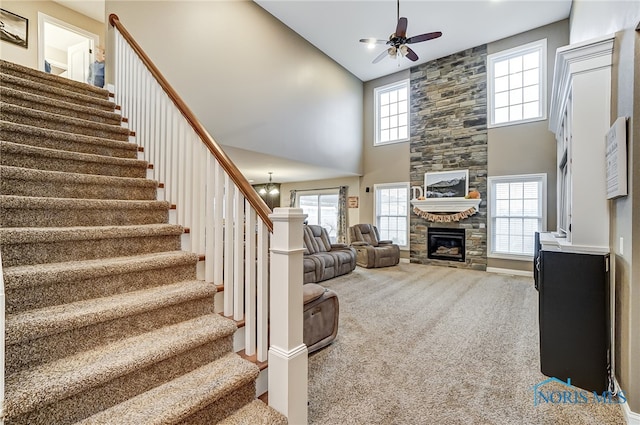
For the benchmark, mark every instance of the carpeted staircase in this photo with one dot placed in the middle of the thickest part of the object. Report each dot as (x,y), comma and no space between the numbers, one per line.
(105,320)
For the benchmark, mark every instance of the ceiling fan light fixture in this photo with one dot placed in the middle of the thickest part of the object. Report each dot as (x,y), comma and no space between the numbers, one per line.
(398,41)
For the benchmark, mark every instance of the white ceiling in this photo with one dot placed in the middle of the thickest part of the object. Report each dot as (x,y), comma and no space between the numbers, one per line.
(335,27)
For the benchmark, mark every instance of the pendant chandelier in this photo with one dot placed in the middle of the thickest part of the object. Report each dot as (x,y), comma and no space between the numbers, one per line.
(269,188)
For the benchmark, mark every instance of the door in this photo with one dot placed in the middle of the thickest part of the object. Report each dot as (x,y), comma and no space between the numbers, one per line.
(64,49)
(78,61)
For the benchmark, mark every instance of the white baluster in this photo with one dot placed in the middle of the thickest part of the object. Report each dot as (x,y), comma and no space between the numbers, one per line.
(228,246)
(210,220)
(238,257)
(250,280)
(262,282)
(218,224)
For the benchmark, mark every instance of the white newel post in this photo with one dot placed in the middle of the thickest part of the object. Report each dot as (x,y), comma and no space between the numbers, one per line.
(288,372)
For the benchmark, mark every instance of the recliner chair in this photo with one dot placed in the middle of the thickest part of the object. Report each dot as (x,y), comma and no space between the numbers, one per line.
(371,251)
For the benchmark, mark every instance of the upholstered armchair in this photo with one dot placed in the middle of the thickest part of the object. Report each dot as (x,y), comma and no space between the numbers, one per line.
(371,251)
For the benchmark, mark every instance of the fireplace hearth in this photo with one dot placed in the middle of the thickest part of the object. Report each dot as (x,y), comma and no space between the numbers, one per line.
(446,244)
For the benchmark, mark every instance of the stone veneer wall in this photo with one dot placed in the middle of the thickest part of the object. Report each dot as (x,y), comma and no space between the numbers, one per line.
(449,132)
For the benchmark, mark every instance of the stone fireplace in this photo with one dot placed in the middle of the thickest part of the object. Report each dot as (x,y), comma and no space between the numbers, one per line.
(446,244)
(449,132)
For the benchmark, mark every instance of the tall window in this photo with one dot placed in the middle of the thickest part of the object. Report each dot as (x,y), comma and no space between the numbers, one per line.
(392,212)
(392,113)
(322,209)
(517,84)
(517,211)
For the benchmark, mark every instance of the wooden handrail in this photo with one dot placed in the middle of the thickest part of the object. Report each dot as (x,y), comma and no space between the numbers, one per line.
(231,169)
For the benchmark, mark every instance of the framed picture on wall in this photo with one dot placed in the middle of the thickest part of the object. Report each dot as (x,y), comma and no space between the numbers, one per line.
(14,28)
(446,184)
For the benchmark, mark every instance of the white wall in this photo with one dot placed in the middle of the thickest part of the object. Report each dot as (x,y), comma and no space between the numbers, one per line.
(592,19)
(254,83)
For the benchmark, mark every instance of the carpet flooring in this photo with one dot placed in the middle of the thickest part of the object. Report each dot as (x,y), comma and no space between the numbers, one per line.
(422,344)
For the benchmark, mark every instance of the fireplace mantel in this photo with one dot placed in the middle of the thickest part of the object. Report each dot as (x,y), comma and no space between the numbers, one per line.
(446,205)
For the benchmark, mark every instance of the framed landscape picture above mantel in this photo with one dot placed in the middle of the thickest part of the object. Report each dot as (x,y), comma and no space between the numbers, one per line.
(14,28)
(446,184)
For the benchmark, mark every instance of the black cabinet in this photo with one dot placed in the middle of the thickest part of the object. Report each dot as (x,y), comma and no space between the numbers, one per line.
(574,317)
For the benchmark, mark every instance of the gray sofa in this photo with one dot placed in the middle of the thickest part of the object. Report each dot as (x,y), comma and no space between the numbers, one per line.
(322,259)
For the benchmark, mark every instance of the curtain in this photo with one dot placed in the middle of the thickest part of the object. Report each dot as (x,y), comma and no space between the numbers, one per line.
(292,198)
(342,214)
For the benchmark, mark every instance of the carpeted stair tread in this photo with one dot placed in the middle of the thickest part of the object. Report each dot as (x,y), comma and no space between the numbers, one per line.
(60,212)
(47,321)
(32,276)
(53,139)
(32,182)
(36,245)
(30,202)
(16,235)
(176,400)
(56,106)
(50,382)
(51,80)
(48,120)
(14,154)
(43,285)
(255,413)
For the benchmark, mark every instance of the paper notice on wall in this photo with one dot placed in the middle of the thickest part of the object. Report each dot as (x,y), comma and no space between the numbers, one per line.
(616,157)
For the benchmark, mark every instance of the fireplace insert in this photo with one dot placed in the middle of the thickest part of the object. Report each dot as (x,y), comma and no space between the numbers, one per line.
(445,244)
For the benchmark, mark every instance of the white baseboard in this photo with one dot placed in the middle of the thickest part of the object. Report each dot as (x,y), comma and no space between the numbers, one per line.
(630,417)
(509,271)
(405,260)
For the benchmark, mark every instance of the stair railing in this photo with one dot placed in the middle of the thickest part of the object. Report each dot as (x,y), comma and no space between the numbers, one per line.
(229,224)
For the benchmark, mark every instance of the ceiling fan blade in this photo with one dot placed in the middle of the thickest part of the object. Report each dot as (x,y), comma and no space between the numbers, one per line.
(372,41)
(401,29)
(411,54)
(423,37)
(381,56)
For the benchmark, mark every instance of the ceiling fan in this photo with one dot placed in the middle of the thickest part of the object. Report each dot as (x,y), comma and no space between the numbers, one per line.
(398,41)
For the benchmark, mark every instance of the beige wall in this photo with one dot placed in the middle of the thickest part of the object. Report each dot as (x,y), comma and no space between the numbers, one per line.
(29,9)
(254,83)
(528,148)
(590,20)
(381,164)
(353,183)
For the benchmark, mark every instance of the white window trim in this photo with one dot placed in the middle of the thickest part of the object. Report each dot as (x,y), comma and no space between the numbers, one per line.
(376,110)
(517,51)
(314,192)
(522,177)
(375,207)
